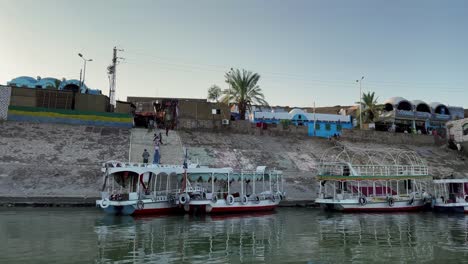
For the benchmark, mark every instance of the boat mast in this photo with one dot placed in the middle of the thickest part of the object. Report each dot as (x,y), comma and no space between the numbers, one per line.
(242,183)
(184,184)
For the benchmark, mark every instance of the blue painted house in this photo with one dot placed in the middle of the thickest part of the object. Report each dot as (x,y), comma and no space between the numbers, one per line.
(319,125)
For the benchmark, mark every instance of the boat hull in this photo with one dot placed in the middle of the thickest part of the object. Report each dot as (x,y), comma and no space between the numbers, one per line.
(381,206)
(221,207)
(452,208)
(149,207)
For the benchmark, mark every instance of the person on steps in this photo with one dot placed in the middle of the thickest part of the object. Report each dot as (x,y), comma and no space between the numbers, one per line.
(145,156)
(156,157)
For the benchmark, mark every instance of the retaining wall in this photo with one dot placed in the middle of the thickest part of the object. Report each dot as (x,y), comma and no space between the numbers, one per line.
(242,127)
(58,99)
(356,135)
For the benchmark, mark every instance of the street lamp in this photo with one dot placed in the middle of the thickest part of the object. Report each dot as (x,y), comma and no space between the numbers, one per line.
(360,102)
(229,84)
(84,69)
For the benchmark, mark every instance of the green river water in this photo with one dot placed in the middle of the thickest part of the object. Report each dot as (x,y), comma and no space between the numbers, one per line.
(290,235)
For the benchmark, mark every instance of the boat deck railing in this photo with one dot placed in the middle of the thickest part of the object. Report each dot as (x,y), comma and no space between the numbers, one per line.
(344,169)
(118,164)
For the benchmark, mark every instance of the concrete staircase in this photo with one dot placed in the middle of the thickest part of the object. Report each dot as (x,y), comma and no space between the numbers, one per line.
(171,149)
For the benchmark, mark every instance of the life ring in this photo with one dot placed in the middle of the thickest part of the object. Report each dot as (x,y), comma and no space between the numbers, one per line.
(184,198)
(230,199)
(362,200)
(104,203)
(244,199)
(280,195)
(214,199)
(257,199)
(140,205)
(390,201)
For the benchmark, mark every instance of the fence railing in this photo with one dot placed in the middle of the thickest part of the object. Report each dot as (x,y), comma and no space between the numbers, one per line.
(372,170)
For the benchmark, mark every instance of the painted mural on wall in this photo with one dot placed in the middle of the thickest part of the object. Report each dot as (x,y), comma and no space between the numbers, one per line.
(5,93)
(72,117)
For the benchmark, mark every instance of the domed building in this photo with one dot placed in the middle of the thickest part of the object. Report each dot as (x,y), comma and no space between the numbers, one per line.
(402,115)
(48,83)
(52,83)
(23,81)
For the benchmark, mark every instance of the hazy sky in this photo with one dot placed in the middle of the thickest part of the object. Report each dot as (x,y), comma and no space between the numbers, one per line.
(305,51)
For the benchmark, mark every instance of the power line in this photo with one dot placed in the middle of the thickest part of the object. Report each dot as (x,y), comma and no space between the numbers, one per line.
(160,59)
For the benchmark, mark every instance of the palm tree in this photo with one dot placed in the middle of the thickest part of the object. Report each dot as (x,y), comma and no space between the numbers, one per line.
(243,90)
(214,93)
(370,108)
(57,83)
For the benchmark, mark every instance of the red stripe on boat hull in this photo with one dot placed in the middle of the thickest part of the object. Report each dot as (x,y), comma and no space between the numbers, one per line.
(237,209)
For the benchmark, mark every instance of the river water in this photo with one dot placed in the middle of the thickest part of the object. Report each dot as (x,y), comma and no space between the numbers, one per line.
(85,235)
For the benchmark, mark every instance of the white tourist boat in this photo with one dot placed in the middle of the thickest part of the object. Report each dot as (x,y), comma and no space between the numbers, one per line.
(349,186)
(451,195)
(210,190)
(136,188)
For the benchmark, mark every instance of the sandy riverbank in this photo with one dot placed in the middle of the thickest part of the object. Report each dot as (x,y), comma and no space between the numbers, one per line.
(60,164)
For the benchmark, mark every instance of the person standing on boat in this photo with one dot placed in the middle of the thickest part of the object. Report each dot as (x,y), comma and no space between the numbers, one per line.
(145,156)
(156,156)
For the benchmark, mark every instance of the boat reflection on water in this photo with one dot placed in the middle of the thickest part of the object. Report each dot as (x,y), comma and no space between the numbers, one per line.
(295,235)
(213,238)
(399,237)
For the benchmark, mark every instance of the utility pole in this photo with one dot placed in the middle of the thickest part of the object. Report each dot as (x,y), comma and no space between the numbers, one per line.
(315,122)
(81,72)
(112,71)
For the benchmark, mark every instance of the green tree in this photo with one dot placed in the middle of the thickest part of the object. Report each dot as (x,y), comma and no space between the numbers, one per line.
(57,83)
(243,90)
(214,92)
(370,108)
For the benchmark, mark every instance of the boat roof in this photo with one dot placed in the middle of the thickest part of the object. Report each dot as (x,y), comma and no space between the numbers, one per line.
(451,181)
(343,171)
(372,178)
(193,170)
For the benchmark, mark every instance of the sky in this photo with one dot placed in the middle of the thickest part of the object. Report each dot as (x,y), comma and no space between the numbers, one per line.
(306,52)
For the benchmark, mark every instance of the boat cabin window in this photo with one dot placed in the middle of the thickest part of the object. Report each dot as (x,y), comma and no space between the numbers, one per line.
(408,184)
(346,170)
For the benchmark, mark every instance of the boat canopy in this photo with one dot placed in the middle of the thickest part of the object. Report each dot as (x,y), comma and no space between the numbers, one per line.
(194,173)
(343,171)
(235,176)
(444,181)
